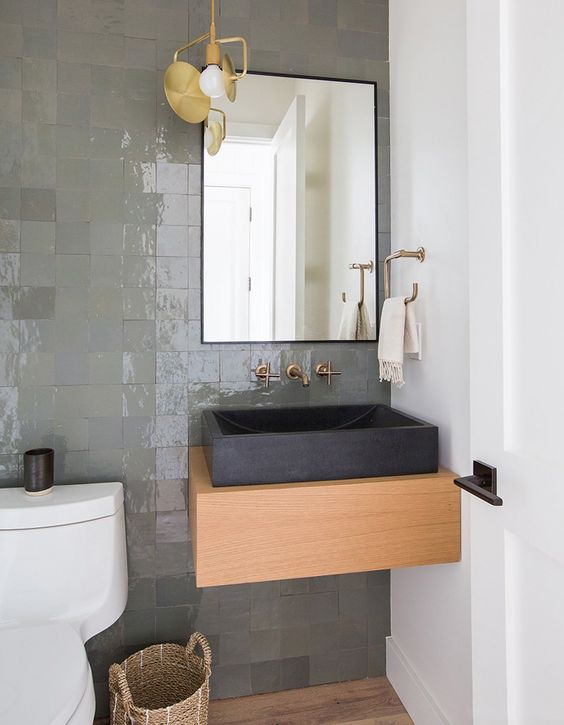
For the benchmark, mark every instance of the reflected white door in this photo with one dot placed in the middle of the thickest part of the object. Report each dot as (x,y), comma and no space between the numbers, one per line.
(516,185)
(288,147)
(226,263)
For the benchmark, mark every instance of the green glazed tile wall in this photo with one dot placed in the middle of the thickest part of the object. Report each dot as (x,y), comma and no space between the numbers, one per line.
(100,355)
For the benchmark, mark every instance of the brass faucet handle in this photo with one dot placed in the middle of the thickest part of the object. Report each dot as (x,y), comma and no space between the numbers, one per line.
(325,370)
(264,373)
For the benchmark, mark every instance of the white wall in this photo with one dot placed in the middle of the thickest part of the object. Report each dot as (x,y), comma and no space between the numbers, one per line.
(353,223)
(429,653)
(317,207)
(259,101)
(340,192)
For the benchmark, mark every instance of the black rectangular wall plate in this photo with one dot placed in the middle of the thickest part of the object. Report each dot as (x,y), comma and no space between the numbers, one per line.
(482,484)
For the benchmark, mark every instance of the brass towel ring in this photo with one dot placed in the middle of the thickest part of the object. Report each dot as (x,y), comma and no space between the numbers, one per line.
(419,254)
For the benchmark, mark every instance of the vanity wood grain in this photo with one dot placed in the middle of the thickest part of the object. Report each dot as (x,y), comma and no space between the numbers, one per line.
(291,530)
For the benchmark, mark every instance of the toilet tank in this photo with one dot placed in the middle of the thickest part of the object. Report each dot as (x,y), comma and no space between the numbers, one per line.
(63,557)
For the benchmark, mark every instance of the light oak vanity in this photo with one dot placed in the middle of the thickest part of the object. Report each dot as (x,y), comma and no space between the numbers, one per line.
(291,530)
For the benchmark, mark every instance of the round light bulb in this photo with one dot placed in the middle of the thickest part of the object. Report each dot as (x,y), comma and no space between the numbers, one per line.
(208,138)
(211,81)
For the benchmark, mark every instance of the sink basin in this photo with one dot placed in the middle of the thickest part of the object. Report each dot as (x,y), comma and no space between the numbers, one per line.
(322,443)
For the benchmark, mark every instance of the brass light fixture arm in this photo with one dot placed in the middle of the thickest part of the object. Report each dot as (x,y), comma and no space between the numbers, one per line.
(238,76)
(213,53)
(418,254)
(189,45)
(212,21)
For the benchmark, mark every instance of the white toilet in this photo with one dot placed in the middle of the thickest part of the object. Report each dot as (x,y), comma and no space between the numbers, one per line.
(63,579)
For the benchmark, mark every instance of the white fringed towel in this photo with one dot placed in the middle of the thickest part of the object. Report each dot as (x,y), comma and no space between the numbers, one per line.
(398,336)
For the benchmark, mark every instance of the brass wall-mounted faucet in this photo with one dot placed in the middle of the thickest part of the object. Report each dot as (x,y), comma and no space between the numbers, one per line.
(294,372)
(264,373)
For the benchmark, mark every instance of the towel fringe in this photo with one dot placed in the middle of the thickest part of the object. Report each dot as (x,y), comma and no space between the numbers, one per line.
(391,372)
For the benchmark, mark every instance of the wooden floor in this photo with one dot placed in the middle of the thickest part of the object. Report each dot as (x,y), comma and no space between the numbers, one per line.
(363,702)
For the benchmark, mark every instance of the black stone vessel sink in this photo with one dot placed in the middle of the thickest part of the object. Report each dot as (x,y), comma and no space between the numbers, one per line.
(330,442)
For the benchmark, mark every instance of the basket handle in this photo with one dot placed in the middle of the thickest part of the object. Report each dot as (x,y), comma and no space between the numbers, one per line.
(118,684)
(198,638)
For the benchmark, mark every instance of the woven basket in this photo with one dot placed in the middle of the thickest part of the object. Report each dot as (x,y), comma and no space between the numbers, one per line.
(162,685)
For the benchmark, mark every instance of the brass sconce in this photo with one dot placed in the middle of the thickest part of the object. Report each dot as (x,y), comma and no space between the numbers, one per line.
(189,92)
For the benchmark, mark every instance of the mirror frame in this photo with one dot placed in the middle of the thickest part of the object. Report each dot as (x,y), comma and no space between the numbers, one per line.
(376,224)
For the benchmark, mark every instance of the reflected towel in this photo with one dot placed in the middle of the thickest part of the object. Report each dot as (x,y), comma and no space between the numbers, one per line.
(398,336)
(355,323)
(363,326)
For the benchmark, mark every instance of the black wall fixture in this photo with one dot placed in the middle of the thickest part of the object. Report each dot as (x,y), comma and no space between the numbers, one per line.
(482,484)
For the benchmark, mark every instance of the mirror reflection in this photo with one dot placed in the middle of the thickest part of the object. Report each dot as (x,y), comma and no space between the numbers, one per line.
(289,213)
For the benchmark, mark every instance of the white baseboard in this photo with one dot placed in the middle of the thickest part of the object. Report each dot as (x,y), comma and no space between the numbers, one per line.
(415,697)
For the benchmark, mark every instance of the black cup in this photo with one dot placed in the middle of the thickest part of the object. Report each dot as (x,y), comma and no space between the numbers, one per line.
(38,471)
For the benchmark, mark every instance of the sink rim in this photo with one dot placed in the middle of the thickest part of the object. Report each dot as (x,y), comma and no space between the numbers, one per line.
(216,432)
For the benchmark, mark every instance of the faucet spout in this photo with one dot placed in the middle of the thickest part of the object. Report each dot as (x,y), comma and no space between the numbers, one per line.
(294,372)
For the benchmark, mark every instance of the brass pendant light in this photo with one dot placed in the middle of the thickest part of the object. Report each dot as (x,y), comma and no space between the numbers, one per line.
(189,92)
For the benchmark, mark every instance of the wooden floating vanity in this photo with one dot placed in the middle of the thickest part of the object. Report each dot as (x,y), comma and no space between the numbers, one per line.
(291,530)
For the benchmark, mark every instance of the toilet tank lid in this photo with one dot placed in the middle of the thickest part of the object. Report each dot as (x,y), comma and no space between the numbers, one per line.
(66,504)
